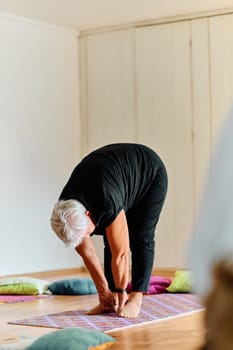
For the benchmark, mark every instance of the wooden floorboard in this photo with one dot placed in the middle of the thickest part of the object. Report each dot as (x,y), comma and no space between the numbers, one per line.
(183,333)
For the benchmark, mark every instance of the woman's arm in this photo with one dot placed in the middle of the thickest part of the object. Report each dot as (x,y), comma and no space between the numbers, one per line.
(107,302)
(118,238)
(87,251)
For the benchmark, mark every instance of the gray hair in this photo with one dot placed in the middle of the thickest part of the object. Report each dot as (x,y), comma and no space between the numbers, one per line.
(69,221)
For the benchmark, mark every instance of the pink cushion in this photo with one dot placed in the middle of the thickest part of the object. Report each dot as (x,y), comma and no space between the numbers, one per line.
(157,285)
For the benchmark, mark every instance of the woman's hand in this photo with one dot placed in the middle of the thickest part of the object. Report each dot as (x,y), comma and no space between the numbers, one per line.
(112,302)
(108,301)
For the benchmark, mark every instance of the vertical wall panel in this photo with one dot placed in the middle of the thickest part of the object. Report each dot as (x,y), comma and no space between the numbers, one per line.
(110,88)
(221,69)
(201,105)
(108,101)
(164,112)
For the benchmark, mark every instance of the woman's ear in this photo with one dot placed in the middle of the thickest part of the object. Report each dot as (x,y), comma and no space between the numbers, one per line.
(88,214)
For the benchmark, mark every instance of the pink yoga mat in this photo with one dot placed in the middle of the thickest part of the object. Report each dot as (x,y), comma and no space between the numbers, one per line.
(11,299)
(154,308)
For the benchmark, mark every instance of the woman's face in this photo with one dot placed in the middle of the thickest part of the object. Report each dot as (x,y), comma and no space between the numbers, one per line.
(91,226)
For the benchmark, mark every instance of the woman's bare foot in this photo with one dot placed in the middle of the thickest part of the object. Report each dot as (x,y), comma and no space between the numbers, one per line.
(103,309)
(96,310)
(133,306)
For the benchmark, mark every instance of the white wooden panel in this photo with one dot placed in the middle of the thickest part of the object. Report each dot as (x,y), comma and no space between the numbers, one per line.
(83,95)
(110,88)
(221,69)
(108,93)
(201,105)
(165,123)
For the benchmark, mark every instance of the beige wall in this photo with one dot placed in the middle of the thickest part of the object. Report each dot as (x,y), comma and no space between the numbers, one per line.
(39,99)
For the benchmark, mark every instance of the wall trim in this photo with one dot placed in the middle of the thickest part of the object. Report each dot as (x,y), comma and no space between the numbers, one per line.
(157,21)
(50,273)
(62,273)
(30,21)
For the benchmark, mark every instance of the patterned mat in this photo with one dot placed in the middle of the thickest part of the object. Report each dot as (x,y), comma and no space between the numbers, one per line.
(154,308)
(11,299)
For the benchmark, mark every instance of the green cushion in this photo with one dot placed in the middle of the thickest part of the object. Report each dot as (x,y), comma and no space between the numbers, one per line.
(182,282)
(23,286)
(72,339)
(73,286)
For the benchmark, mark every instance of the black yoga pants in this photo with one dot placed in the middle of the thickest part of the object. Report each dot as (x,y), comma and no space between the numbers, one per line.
(142,220)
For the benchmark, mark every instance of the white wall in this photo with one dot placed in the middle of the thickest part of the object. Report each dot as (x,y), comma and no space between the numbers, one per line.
(39,135)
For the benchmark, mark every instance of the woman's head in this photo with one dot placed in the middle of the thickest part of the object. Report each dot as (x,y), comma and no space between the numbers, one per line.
(70,221)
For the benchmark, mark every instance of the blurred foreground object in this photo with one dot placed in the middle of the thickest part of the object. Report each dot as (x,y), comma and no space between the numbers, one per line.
(213,232)
(211,253)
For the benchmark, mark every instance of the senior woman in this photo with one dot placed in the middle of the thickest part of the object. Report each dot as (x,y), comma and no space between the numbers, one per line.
(116,191)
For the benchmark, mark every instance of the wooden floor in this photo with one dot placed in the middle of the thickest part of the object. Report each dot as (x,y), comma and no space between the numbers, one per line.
(183,333)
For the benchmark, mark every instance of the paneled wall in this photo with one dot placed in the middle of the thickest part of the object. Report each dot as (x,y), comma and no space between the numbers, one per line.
(110,88)
(164,121)
(221,71)
(167,85)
